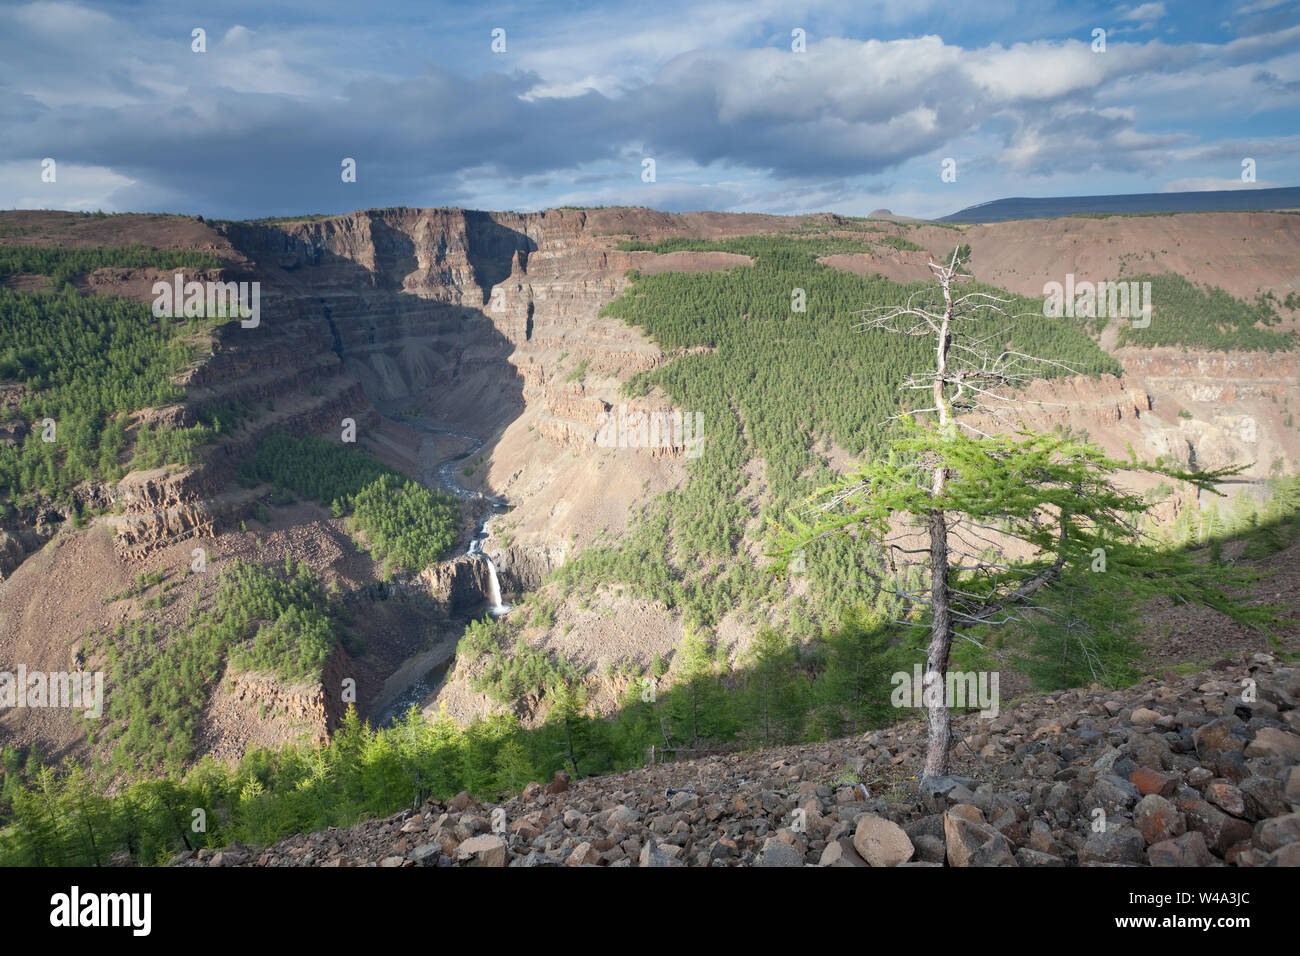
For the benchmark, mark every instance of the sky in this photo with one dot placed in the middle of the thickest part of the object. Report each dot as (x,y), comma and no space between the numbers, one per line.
(740,105)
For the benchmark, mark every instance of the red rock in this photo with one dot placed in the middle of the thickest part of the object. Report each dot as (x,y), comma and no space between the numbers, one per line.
(1227,798)
(1150,781)
(1158,820)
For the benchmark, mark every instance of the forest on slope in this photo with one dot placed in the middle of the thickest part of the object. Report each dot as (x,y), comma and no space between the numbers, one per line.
(775,386)
(781,693)
(81,366)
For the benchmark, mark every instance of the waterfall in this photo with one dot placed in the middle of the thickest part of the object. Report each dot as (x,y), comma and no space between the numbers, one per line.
(495,606)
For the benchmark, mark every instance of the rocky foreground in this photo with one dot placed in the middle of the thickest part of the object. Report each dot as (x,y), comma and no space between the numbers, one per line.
(1184,771)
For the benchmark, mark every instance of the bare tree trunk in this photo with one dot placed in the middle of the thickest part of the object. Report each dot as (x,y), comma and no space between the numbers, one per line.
(936,657)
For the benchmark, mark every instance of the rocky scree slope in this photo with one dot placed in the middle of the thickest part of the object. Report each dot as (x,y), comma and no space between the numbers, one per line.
(1183,771)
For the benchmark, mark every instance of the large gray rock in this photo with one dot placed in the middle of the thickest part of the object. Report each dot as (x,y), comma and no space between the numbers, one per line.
(1117,844)
(1271,742)
(1186,850)
(426,854)
(778,853)
(1219,735)
(965,834)
(1263,797)
(1279,832)
(1158,820)
(1112,794)
(1221,831)
(652,854)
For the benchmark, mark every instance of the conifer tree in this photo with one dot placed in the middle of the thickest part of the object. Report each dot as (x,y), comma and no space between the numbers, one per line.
(773,698)
(991,520)
(852,690)
(696,701)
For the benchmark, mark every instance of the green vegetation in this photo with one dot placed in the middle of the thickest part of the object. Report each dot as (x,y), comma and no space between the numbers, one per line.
(407,524)
(579,374)
(782,693)
(509,677)
(142,584)
(312,467)
(260,620)
(776,384)
(901,244)
(1184,314)
(63,264)
(155,447)
(61,817)
(86,363)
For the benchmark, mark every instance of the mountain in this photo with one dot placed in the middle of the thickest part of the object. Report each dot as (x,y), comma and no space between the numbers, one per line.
(484,355)
(1136,204)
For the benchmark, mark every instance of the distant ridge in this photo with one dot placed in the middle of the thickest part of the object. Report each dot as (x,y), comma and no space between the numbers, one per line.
(1219,200)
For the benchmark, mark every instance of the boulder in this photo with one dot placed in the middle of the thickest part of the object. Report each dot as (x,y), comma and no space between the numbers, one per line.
(1158,820)
(584,854)
(486,850)
(1227,798)
(1150,781)
(777,852)
(653,854)
(1279,832)
(1272,742)
(1186,850)
(1116,844)
(880,842)
(1144,717)
(1220,830)
(965,832)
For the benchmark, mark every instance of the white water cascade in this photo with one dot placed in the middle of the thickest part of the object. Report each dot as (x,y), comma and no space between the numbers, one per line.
(495,606)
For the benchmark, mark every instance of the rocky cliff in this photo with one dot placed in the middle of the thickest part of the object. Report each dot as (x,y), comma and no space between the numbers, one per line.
(487,325)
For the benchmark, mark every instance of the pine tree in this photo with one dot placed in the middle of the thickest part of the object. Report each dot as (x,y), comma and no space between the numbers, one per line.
(569,716)
(691,700)
(773,699)
(852,691)
(955,499)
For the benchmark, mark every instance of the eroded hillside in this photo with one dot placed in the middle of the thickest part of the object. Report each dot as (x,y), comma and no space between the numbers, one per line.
(442,333)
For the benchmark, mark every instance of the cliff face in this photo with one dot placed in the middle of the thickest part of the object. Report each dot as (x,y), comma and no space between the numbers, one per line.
(488,325)
(483,323)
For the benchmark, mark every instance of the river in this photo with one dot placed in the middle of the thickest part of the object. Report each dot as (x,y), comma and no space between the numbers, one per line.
(426,671)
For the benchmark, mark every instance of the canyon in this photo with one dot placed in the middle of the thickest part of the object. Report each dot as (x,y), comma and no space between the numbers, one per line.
(469,348)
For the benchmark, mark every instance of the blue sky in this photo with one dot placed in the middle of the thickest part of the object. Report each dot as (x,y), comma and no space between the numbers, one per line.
(733,117)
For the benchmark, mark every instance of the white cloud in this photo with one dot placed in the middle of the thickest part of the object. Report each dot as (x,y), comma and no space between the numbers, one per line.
(76,187)
(1259,6)
(1144,12)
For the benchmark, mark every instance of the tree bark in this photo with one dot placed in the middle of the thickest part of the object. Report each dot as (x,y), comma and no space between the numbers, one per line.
(934,685)
(936,659)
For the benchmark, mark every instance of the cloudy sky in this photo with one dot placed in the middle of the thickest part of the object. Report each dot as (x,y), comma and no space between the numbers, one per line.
(713,91)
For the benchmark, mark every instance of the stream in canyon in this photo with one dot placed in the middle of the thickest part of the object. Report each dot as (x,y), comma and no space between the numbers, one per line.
(438,472)
(422,675)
